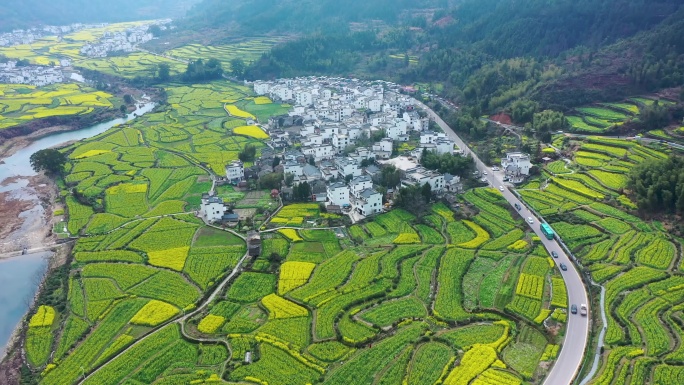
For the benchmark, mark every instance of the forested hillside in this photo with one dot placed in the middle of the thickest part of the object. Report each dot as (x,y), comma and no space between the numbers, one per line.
(30,13)
(486,53)
(259,16)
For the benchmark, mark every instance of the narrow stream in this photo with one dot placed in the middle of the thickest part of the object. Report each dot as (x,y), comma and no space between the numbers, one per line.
(20,276)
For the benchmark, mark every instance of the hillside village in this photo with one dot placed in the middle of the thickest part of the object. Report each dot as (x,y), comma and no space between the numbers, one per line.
(122,41)
(28,36)
(20,72)
(39,76)
(338,135)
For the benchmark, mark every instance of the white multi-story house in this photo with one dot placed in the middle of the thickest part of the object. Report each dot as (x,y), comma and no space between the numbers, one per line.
(418,176)
(261,88)
(430,137)
(384,145)
(375,105)
(338,194)
(304,98)
(212,208)
(340,142)
(516,165)
(292,167)
(235,171)
(444,146)
(347,166)
(396,131)
(359,184)
(319,152)
(368,202)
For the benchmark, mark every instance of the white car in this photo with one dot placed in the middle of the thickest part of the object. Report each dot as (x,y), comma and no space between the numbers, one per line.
(501,188)
(484,172)
(495,168)
(530,220)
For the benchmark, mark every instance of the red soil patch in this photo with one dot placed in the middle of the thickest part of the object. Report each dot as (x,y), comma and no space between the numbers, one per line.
(501,118)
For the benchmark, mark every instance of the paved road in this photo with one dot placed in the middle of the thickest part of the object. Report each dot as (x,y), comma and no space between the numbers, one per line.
(567,366)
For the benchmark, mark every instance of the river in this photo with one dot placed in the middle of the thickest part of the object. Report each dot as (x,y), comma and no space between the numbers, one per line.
(18,275)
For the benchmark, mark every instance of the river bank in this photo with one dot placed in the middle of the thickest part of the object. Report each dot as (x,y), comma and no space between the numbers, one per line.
(27,204)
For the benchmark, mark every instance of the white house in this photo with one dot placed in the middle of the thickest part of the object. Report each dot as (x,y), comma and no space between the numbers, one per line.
(444,146)
(359,184)
(384,145)
(375,105)
(319,152)
(430,137)
(347,166)
(396,131)
(212,208)
(261,88)
(340,142)
(368,202)
(418,176)
(338,194)
(516,165)
(292,167)
(235,171)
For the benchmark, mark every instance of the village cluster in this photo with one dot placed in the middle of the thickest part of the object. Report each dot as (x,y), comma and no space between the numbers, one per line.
(28,36)
(122,41)
(18,72)
(327,140)
(11,73)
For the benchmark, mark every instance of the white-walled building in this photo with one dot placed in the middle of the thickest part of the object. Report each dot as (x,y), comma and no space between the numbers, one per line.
(516,165)
(347,166)
(212,208)
(430,137)
(338,194)
(261,88)
(320,152)
(418,176)
(235,171)
(368,202)
(444,146)
(292,167)
(359,184)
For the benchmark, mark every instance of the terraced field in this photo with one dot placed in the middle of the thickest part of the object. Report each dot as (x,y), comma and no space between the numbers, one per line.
(602,117)
(364,300)
(634,260)
(20,104)
(248,50)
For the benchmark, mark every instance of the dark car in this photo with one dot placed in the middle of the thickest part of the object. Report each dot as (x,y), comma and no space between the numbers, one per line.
(573,309)
(563,267)
(554,254)
(517,206)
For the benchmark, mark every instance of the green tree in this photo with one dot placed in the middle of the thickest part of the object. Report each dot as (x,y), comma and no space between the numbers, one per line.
(248,153)
(426,192)
(271,181)
(49,160)
(128,99)
(163,72)
(237,67)
(276,162)
(390,177)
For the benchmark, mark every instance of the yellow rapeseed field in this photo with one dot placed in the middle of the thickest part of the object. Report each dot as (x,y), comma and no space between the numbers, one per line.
(45,316)
(253,131)
(154,313)
(171,258)
(235,111)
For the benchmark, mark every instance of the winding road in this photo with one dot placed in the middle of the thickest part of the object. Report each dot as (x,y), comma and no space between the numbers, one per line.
(567,366)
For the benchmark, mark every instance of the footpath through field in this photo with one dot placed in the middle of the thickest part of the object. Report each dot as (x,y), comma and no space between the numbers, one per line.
(568,364)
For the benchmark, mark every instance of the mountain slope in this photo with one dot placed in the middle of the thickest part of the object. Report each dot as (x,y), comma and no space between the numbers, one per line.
(30,13)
